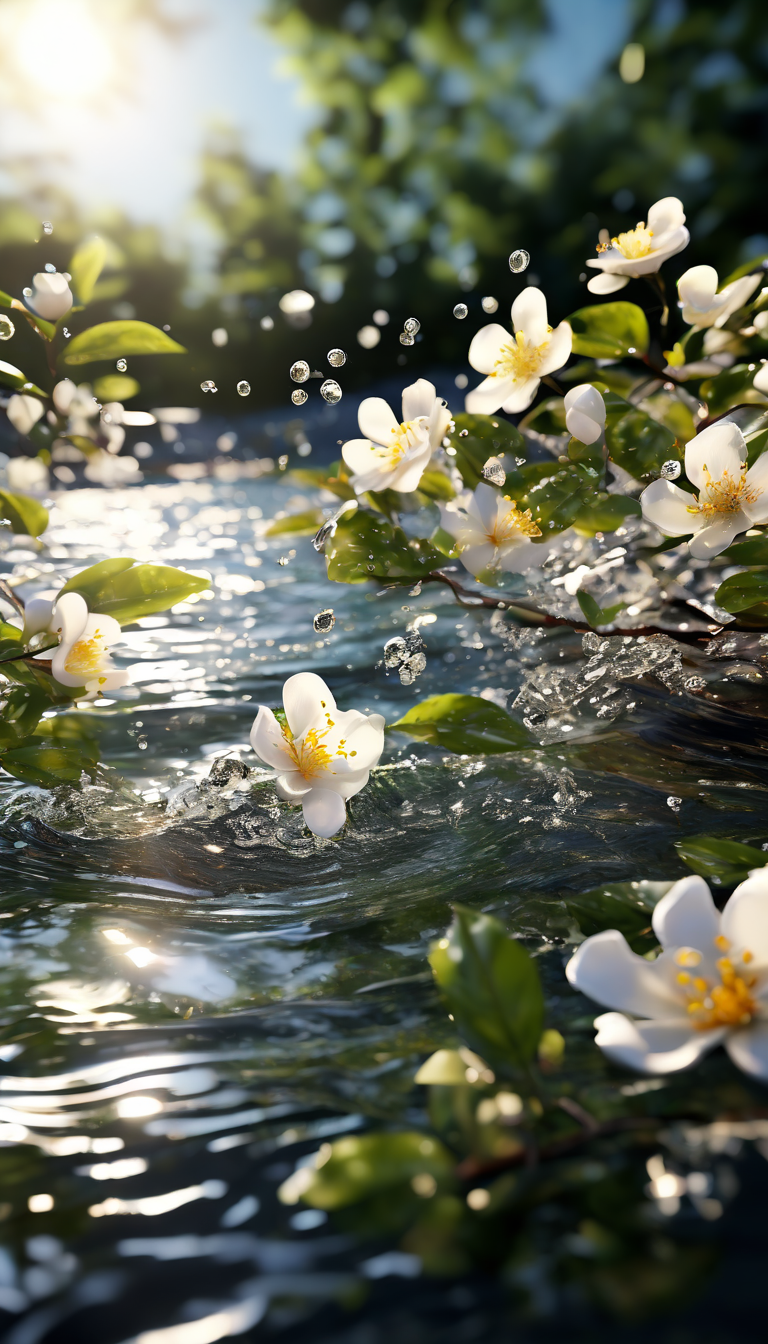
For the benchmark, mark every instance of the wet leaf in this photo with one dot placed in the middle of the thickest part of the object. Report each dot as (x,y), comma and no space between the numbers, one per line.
(47,766)
(547,418)
(10,640)
(85,268)
(365,547)
(125,590)
(478,437)
(463,723)
(637,442)
(492,987)
(445,1068)
(596,615)
(20,715)
(110,340)
(115,387)
(626,906)
(740,592)
(610,330)
(10,376)
(724,860)
(732,386)
(606,513)
(753,551)
(303,524)
(364,1165)
(27,516)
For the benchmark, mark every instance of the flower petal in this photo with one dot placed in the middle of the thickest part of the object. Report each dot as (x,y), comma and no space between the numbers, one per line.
(529,315)
(37,617)
(268,742)
(486,505)
(292,787)
(749,1050)
(606,283)
(70,617)
(665,215)
(669,246)
(521,395)
(687,916)
(720,448)
(418,399)
(666,506)
(718,535)
(518,556)
(324,812)
(757,480)
(488,396)
(353,742)
(486,347)
(558,350)
(377,420)
(360,456)
(745,917)
(409,471)
(698,286)
(606,969)
(760,380)
(477,558)
(653,1047)
(581,426)
(351,783)
(306,700)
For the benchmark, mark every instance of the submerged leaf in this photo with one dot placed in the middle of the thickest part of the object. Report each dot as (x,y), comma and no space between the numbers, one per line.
(724,860)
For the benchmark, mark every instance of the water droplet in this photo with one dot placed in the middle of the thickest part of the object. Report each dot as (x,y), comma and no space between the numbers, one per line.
(121,365)
(282,461)
(412,325)
(330,391)
(463,433)
(337,358)
(66,332)
(47,226)
(300,371)
(671,470)
(674,803)
(405,339)
(50,268)
(695,684)
(324,621)
(283,560)
(407,677)
(299,396)
(267,324)
(417,663)
(519,260)
(6,328)
(243,389)
(490,305)
(460,311)
(27,292)
(208,386)
(395,651)
(494,472)
(219,337)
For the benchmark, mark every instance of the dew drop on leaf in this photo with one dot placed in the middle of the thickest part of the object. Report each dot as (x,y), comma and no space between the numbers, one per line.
(47,226)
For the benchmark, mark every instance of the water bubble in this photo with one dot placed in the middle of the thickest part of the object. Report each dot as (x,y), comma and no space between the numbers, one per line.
(267,323)
(671,470)
(405,339)
(489,304)
(208,385)
(47,226)
(494,472)
(50,268)
(330,391)
(417,663)
(674,803)
(695,684)
(66,332)
(337,358)
(460,311)
(519,260)
(300,371)
(412,325)
(6,328)
(121,365)
(299,396)
(407,677)
(324,621)
(243,389)
(27,292)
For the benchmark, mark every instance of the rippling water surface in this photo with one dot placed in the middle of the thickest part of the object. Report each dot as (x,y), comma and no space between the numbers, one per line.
(194,992)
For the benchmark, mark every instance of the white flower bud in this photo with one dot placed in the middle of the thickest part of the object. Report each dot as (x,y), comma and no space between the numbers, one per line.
(584,413)
(51,296)
(63,393)
(24,412)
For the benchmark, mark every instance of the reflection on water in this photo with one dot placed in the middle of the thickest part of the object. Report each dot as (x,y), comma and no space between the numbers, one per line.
(195,993)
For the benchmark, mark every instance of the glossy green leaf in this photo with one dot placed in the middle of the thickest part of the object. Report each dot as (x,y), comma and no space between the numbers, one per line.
(463,723)
(478,437)
(742,591)
(605,513)
(751,551)
(334,478)
(554,493)
(47,766)
(110,340)
(492,987)
(10,640)
(726,860)
(364,546)
(126,591)
(10,376)
(6,300)
(21,711)
(637,442)
(27,516)
(85,268)
(626,906)
(38,324)
(115,387)
(297,524)
(732,387)
(610,330)
(363,1165)
(597,616)
(435,485)
(546,418)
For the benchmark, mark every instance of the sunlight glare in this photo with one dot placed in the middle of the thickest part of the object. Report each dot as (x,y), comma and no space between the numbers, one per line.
(60,48)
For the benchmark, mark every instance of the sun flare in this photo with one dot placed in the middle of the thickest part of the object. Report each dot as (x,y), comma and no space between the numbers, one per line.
(59,48)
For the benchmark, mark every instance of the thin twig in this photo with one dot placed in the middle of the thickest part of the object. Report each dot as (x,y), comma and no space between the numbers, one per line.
(473,1168)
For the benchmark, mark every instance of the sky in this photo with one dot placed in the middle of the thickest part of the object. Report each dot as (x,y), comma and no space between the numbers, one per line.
(121,116)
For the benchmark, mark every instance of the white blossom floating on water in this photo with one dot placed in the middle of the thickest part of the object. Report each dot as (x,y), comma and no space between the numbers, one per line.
(461,310)
(642,250)
(330,391)
(732,497)
(584,413)
(7,328)
(324,621)
(519,260)
(299,396)
(515,365)
(299,371)
(493,471)
(321,755)
(208,385)
(671,470)
(368,337)
(243,388)
(394,455)
(489,304)
(708,987)
(337,358)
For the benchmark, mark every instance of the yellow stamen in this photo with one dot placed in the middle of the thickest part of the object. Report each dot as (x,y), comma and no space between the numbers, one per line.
(722,942)
(687,956)
(725,495)
(683,978)
(86,656)
(520,360)
(511,524)
(633,244)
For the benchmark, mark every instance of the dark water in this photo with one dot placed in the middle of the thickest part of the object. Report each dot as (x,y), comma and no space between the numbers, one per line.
(195,993)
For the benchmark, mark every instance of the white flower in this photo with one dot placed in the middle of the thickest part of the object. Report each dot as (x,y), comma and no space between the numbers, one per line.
(491,532)
(63,395)
(731,498)
(24,412)
(642,250)
(51,296)
(760,380)
(515,365)
(82,658)
(393,456)
(708,986)
(584,413)
(322,755)
(703,306)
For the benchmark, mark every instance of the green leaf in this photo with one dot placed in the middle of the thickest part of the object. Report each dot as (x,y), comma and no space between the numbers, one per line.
(554,493)
(746,269)
(115,387)
(47,766)
(10,376)
(729,388)
(38,324)
(492,987)
(110,340)
(334,478)
(10,640)
(606,513)
(547,418)
(596,615)
(445,1068)
(727,860)
(610,330)
(364,547)
(367,1164)
(626,906)
(463,723)
(297,524)
(637,442)
(478,437)
(752,551)
(26,515)
(86,267)
(125,590)
(6,300)
(742,591)
(436,485)
(21,712)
